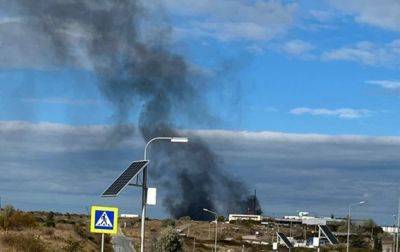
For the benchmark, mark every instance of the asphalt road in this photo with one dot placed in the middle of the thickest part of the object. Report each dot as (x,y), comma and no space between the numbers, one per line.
(121,243)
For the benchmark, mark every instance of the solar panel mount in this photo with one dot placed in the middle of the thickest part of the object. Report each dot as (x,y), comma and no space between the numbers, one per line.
(328,234)
(285,240)
(125,178)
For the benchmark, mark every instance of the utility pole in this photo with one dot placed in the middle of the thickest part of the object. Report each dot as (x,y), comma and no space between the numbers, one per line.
(216,227)
(349,224)
(398,225)
(394,232)
(144,184)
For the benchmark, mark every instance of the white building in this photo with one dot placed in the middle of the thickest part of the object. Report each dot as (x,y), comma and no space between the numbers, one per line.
(129,216)
(391,230)
(235,217)
(306,219)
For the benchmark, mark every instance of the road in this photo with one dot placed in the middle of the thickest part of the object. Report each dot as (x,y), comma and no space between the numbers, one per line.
(121,243)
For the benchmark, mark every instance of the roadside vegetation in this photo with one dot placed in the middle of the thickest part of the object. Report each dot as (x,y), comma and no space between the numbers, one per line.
(46,232)
(51,231)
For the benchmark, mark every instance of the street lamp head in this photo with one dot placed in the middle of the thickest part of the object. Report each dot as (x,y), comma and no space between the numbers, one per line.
(361,202)
(205,209)
(179,140)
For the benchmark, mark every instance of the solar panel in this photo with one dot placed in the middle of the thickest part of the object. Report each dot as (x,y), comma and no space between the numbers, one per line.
(123,180)
(328,234)
(285,240)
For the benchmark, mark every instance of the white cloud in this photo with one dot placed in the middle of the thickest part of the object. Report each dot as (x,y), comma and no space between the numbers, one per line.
(345,113)
(228,20)
(367,53)
(386,84)
(297,47)
(383,13)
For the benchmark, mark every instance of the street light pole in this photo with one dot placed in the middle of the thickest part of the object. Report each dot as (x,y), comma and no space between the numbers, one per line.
(349,221)
(216,227)
(397,230)
(394,232)
(144,183)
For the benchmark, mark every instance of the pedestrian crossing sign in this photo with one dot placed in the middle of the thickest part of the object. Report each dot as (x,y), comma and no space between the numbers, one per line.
(104,220)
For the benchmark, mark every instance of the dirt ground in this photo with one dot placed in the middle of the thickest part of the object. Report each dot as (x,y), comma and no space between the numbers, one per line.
(70,232)
(199,235)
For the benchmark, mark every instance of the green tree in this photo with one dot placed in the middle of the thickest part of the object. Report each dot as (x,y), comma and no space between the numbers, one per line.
(168,241)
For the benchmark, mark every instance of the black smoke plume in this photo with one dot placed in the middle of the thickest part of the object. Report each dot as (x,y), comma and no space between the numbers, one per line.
(138,70)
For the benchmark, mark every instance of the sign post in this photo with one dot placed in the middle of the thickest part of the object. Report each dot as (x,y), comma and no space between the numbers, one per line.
(103,220)
(102,242)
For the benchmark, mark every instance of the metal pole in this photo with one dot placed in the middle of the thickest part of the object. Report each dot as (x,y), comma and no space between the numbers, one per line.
(216,230)
(216,227)
(102,243)
(394,232)
(277,241)
(144,196)
(144,193)
(348,229)
(398,225)
(319,239)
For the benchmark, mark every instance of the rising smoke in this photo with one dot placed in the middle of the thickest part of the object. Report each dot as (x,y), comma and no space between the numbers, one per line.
(137,72)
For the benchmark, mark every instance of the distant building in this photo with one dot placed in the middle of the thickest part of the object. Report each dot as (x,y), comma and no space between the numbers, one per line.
(306,219)
(129,216)
(236,217)
(391,230)
(387,245)
(300,216)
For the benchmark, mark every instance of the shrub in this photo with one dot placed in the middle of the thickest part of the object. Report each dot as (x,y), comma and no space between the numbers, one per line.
(21,242)
(246,223)
(185,218)
(20,220)
(168,223)
(168,241)
(8,210)
(11,219)
(5,216)
(50,222)
(48,231)
(81,231)
(73,246)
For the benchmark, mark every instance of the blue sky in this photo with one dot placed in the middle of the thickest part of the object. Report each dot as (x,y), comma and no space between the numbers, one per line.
(329,68)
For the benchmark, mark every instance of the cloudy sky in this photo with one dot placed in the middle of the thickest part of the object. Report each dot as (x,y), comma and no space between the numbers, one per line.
(306,96)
